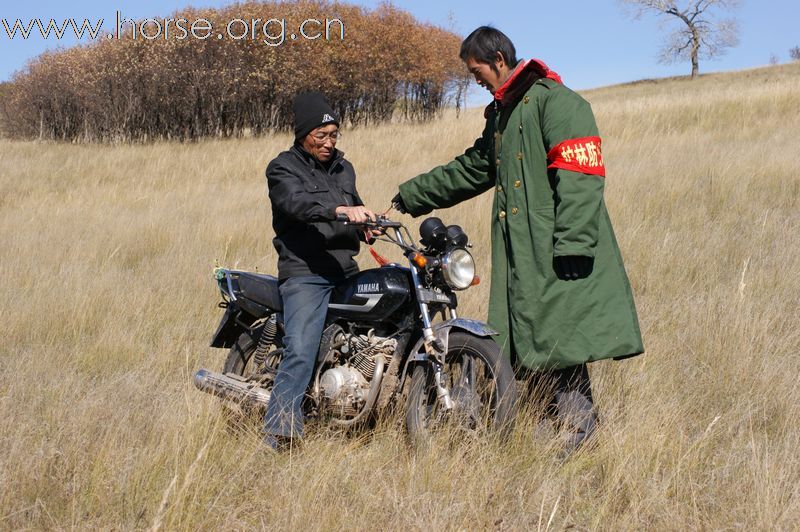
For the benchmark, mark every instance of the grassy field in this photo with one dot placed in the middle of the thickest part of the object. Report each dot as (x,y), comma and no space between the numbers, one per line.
(108,307)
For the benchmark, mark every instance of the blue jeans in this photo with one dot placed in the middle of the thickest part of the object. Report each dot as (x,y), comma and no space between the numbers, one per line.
(305,305)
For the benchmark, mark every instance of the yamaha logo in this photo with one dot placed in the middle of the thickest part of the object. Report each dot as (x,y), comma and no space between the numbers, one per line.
(368,287)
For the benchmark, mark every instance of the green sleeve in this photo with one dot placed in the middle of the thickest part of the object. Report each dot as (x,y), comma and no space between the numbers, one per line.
(464,177)
(579,197)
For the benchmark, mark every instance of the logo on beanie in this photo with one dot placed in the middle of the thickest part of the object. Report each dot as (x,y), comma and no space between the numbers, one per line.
(328,118)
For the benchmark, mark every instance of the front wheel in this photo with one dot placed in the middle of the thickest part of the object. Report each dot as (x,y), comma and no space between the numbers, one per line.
(481,386)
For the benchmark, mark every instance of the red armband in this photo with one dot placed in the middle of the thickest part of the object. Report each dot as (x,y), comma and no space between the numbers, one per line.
(581,155)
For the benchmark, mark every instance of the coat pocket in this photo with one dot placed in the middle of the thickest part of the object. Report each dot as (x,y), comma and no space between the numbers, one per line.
(313,186)
(541,223)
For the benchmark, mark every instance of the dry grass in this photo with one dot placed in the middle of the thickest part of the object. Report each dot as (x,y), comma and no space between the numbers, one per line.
(109,305)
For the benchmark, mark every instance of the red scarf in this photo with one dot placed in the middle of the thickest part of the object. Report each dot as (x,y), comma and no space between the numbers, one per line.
(524,75)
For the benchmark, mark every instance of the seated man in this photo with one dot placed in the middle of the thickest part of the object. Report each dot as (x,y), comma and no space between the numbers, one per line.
(309,185)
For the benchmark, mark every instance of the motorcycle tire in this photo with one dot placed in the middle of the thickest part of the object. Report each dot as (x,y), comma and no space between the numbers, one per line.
(239,355)
(483,403)
(239,362)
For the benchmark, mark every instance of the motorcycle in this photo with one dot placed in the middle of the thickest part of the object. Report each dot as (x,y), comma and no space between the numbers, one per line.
(379,339)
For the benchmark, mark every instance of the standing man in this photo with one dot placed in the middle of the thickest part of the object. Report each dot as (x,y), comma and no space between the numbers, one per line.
(559,295)
(309,185)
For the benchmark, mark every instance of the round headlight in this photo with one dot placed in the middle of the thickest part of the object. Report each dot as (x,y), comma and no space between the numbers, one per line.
(458,268)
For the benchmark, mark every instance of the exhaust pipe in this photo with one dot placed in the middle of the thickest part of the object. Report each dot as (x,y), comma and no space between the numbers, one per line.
(232,389)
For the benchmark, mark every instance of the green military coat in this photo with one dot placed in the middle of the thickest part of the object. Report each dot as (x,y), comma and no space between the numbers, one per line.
(545,322)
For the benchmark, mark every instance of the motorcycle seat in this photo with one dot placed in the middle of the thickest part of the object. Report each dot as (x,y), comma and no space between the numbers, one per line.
(260,288)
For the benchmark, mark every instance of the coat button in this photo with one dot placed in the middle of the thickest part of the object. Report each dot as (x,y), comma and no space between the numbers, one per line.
(526,99)
(499,188)
(517,183)
(519,156)
(498,161)
(514,210)
(502,214)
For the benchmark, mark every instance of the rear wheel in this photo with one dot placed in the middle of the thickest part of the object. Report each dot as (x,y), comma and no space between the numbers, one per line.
(240,355)
(240,362)
(240,359)
(481,385)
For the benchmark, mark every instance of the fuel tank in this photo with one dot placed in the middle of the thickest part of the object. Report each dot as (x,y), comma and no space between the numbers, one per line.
(372,295)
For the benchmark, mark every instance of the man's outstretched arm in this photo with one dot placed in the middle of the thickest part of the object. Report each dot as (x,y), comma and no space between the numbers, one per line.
(466,176)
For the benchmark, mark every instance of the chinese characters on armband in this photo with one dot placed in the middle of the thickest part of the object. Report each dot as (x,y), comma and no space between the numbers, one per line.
(581,155)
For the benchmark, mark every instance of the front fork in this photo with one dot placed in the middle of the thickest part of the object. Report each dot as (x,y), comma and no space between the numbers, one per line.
(442,393)
(433,346)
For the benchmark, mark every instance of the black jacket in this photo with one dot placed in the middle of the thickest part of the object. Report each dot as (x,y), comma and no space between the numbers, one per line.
(304,196)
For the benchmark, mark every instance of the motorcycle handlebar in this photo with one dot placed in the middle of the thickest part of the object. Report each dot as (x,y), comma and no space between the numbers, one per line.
(382,222)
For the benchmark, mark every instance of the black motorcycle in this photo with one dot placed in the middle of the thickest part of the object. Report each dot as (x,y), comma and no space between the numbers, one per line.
(379,340)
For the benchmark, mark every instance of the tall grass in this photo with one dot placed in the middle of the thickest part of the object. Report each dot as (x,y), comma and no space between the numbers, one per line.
(109,305)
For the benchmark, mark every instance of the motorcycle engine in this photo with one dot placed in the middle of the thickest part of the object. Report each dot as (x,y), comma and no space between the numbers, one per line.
(343,383)
(344,388)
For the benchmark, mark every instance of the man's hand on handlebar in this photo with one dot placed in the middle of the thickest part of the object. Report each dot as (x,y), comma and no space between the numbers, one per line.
(378,224)
(358,214)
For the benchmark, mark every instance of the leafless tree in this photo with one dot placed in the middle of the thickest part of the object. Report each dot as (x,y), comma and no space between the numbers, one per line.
(700,34)
(794,53)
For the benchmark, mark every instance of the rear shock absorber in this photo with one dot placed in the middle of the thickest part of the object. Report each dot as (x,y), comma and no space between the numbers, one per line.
(265,341)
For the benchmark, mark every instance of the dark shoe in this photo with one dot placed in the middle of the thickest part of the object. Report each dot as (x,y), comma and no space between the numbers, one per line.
(577,417)
(278,444)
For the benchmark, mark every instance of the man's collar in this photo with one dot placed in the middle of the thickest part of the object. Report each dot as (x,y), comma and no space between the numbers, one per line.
(520,80)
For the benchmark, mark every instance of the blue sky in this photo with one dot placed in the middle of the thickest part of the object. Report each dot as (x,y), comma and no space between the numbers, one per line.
(590,43)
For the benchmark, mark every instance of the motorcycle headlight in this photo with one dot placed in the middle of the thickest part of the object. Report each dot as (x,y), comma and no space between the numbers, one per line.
(458,268)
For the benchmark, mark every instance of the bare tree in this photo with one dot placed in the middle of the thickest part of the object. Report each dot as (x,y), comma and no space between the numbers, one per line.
(700,35)
(794,53)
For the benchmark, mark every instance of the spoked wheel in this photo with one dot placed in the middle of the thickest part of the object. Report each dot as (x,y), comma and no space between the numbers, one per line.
(481,385)
(240,359)
(240,362)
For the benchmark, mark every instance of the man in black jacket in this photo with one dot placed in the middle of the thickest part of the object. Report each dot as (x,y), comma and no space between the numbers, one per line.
(309,185)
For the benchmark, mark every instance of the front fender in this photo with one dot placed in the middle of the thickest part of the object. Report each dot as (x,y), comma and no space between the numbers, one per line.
(478,328)
(442,332)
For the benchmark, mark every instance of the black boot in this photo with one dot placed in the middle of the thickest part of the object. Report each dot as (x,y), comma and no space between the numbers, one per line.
(574,409)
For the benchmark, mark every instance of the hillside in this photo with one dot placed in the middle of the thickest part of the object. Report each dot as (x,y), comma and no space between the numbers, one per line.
(109,304)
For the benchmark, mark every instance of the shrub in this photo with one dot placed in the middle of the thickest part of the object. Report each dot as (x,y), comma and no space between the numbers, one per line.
(388,64)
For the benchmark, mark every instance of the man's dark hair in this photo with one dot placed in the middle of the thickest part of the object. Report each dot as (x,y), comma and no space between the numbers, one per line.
(483,44)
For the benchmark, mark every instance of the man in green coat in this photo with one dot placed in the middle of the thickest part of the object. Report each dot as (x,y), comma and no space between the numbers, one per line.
(559,294)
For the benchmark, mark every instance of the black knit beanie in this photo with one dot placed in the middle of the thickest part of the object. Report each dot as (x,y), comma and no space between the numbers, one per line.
(311,110)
